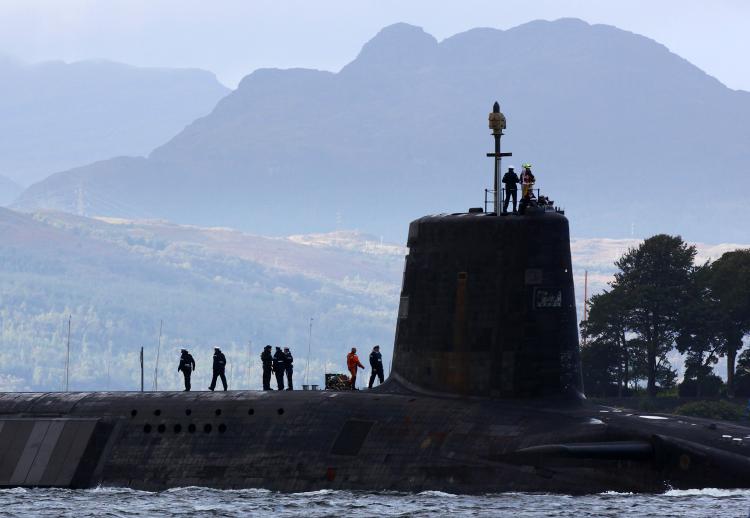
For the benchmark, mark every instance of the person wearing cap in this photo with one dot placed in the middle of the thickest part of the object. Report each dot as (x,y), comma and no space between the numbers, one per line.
(353,363)
(376,366)
(220,362)
(527,180)
(266,359)
(186,366)
(288,367)
(510,180)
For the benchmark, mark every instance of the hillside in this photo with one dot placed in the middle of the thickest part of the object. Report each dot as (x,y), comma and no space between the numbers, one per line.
(9,190)
(621,132)
(59,115)
(210,286)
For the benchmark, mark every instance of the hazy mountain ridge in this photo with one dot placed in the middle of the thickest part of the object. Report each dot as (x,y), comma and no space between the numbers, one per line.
(210,286)
(621,132)
(57,115)
(9,190)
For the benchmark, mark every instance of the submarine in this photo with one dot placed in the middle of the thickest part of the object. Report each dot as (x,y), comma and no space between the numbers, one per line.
(484,396)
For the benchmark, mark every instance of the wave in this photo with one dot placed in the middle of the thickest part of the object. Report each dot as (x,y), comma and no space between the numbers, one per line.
(318,492)
(709,491)
(437,493)
(13,490)
(112,490)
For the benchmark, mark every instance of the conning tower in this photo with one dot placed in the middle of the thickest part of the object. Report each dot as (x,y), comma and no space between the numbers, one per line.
(487,302)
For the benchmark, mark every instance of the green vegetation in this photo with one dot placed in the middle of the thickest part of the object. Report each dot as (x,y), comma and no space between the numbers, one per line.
(660,301)
(726,409)
(711,410)
(211,287)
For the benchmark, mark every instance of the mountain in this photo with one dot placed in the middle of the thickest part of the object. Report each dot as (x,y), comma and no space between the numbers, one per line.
(627,136)
(9,190)
(59,115)
(118,279)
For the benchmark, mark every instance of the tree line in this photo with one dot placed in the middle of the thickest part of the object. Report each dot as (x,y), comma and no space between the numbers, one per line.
(661,301)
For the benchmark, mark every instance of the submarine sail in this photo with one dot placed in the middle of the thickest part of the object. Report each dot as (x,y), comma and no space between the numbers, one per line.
(487,302)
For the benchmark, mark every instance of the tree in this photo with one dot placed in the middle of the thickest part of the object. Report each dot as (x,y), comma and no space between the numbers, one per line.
(600,368)
(729,282)
(699,337)
(700,381)
(654,278)
(605,331)
(638,363)
(666,375)
(742,376)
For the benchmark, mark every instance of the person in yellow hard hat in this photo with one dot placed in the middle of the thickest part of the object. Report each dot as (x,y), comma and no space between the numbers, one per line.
(527,180)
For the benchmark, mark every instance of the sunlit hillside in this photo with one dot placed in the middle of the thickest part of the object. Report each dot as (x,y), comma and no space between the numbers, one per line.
(119,279)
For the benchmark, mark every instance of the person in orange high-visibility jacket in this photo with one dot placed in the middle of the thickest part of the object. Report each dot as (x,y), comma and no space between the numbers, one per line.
(353,363)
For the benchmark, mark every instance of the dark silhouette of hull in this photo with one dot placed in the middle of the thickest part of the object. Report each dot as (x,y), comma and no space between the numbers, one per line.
(387,439)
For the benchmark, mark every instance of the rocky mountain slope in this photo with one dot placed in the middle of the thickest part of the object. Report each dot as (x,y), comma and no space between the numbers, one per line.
(622,132)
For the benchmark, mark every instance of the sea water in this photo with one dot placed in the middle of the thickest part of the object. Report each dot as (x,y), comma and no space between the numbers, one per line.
(200,502)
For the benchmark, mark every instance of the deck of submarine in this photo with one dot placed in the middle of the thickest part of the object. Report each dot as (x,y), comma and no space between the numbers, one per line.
(723,435)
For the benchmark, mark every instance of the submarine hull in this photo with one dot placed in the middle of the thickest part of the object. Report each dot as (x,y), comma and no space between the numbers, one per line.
(375,440)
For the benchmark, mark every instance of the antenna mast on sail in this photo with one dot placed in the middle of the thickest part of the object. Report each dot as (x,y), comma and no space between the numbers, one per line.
(497,125)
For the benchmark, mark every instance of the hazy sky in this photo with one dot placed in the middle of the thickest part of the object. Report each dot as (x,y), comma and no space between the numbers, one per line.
(234,37)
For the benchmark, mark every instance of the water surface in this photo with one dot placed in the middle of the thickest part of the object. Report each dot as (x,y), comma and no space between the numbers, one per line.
(203,502)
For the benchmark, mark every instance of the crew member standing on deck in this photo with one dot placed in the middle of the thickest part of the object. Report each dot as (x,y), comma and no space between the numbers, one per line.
(279,363)
(266,359)
(288,367)
(220,362)
(510,179)
(353,363)
(186,366)
(527,181)
(376,366)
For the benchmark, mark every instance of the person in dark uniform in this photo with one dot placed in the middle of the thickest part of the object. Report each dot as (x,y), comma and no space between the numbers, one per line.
(267,359)
(186,366)
(279,362)
(288,367)
(220,362)
(376,366)
(510,179)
